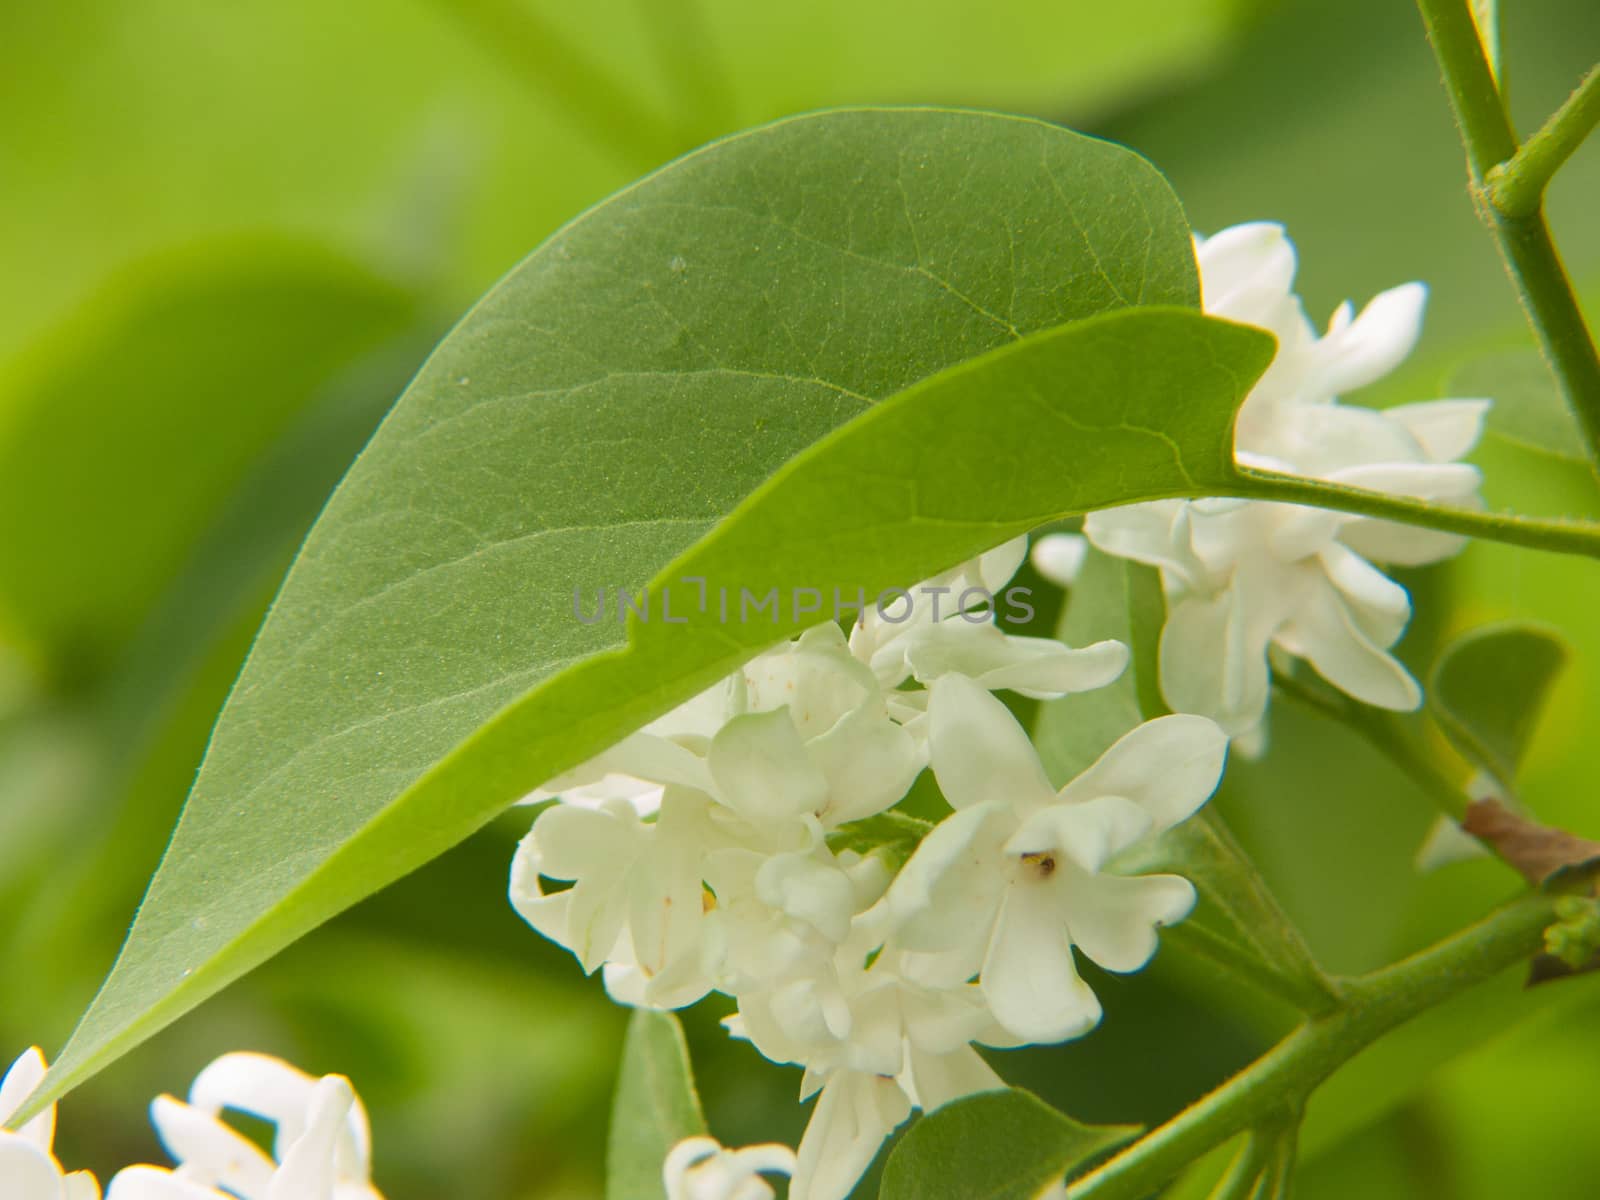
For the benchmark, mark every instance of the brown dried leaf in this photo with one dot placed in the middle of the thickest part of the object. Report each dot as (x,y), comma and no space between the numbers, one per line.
(1538,851)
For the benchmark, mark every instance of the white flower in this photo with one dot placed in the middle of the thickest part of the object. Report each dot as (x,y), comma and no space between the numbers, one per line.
(942,628)
(854,1114)
(28,1169)
(1242,577)
(321,1151)
(1059,557)
(636,898)
(803,729)
(1008,885)
(874,1043)
(698,1168)
(879,639)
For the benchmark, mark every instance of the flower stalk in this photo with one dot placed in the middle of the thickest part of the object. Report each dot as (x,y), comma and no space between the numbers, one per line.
(1516,187)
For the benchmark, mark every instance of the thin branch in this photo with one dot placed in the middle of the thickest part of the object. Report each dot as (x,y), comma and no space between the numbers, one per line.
(1253,1159)
(1283,1077)
(1559,536)
(1524,239)
(1516,187)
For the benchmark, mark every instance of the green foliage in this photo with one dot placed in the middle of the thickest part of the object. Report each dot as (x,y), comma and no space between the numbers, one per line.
(364,736)
(1488,692)
(1528,410)
(129,427)
(1002,1145)
(655,1106)
(418,136)
(893,834)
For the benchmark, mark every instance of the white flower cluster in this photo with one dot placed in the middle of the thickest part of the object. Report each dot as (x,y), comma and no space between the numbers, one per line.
(321,1151)
(719,849)
(1246,577)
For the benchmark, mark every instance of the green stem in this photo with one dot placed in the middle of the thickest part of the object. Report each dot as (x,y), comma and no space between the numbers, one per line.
(1561,536)
(1529,254)
(1516,187)
(1474,96)
(1278,1180)
(548,64)
(1284,1076)
(1253,1159)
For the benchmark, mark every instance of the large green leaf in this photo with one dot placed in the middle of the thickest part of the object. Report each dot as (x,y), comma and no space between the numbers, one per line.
(128,427)
(655,1107)
(631,384)
(1001,1145)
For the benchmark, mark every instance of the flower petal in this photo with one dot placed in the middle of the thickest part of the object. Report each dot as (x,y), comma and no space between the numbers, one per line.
(1090,833)
(1168,767)
(1445,429)
(27,1172)
(572,842)
(1325,634)
(937,1079)
(1252,259)
(1213,662)
(945,898)
(869,764)
(1040,668)
(809,889)
(155,1183)
(1114,919)
(1154,532)
(1059,557)
(1379,605)
(855,1113)
(210,1150)
(1029,977)
(22,1079)
(1372,345)
(762,771)
(309,1165)
(979,753)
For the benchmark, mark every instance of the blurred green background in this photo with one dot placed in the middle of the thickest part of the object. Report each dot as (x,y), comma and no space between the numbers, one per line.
(230,234)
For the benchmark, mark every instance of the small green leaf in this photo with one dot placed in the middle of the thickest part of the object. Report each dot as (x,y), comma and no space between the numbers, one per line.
(894,835)
(1528,409)
(655,1106)
(1488,689)
(1001,1145)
